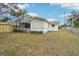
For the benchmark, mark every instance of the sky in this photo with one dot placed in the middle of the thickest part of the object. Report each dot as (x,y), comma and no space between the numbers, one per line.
(51,11)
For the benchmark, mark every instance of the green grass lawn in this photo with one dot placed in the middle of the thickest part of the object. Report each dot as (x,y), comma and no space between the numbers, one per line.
(52,43)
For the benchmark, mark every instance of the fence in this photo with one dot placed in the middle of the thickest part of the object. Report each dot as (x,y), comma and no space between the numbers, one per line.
(76,30)
(4,27)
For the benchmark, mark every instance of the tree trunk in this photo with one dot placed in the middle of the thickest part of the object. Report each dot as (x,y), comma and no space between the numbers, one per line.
(72,24)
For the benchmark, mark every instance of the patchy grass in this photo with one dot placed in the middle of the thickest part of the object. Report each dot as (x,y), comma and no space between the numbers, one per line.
(52,43)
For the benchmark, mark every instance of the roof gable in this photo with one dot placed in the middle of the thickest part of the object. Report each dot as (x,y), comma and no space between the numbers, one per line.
(31,18)
(39,18)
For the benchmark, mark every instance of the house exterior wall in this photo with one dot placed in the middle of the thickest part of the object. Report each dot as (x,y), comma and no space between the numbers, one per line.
(45,27)
(55,28)
(37,25)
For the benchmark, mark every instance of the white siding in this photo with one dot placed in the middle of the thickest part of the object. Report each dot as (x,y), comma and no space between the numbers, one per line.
(45,27)
(37,25)
(55,28)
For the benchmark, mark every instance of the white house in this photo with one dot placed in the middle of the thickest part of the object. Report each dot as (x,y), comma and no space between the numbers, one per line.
(38,24)
(53,26)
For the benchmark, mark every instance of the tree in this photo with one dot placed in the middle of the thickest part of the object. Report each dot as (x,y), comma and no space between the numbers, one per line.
(6,10)
(12,9)
(76,23)
(5,19)
(72,18)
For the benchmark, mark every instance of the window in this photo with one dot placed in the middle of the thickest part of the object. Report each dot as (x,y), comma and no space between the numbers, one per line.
(53,25)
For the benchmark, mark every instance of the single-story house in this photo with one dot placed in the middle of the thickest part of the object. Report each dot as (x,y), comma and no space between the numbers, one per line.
(37,24)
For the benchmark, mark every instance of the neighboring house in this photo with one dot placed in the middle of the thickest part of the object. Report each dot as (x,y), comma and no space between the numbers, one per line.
(37,24)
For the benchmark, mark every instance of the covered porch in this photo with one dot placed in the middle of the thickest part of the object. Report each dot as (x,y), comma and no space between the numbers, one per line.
(24,27)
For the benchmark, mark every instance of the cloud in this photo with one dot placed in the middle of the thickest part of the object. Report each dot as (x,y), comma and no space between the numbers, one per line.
(51,20)
(50,15)
(70,5)
(52,4)
(33,14)
(64,15)
(67,5)
(27,5)
(22,6)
